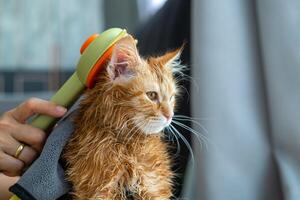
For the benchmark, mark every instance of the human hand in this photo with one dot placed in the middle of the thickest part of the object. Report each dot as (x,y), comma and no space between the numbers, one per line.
(15,134)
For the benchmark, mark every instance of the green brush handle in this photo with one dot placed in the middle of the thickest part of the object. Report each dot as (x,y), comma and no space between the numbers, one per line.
(65,97)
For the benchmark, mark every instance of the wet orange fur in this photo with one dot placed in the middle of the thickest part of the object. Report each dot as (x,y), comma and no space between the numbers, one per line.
(107,154)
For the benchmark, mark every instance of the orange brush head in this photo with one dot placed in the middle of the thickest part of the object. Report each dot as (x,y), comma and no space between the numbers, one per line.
(100,64)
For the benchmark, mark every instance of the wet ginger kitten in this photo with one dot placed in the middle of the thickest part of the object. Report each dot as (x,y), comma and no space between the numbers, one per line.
(117,145)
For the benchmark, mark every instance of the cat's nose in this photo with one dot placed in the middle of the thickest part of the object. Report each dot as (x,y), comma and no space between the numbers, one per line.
(168,116)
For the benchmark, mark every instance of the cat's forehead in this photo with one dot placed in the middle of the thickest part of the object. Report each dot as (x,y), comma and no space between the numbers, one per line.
(159,78)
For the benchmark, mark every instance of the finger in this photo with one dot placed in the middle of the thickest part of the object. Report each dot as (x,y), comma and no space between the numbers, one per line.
(9,165)
(5,183)
(11,145)
(30,135)
(36,106)
(28,155)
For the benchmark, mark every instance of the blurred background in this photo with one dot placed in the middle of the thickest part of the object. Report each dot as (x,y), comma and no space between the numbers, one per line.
(243,93)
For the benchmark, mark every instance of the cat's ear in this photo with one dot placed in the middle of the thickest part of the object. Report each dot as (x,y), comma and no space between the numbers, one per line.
(124,59)
(172,60)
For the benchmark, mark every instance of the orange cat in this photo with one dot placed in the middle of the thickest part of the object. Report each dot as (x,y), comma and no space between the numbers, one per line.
(117,147)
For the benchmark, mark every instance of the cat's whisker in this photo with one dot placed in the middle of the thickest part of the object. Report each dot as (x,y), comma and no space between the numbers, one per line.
(177,141)
(131,134)
(124,127)
(195,122)
(194,118)
(140,135)
(185,142)
(186,91)
(128,132)
(177,121)
(118,123)
(184,77)
(198,135)
(172,132)
(167,134)
(137,126)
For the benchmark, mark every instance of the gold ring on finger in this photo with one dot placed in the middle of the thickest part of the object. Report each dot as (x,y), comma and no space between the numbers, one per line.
(19,150)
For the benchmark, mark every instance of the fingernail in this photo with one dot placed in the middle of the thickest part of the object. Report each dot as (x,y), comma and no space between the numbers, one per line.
(60,109)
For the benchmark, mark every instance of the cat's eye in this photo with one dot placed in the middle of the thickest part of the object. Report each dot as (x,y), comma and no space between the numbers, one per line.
(152,95)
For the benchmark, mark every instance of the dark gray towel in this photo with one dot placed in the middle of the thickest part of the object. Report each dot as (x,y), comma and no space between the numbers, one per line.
(44,179)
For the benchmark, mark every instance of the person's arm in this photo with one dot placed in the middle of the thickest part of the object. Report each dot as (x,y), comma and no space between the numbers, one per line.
(21,143)
(5,183)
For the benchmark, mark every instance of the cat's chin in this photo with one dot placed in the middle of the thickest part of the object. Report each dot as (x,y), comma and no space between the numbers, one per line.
(151,130)
(155,127)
